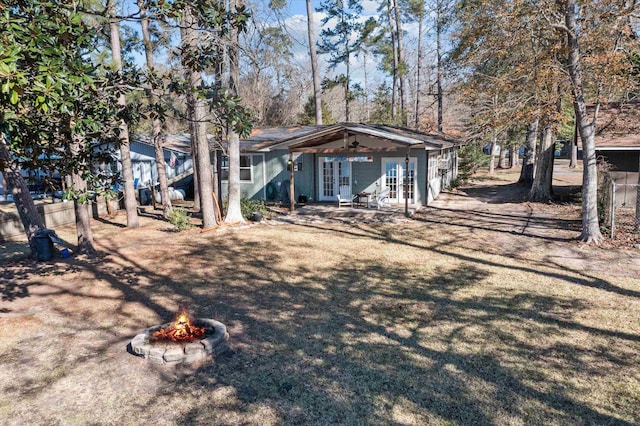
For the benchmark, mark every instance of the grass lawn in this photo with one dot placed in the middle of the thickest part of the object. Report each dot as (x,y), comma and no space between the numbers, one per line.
(482,309)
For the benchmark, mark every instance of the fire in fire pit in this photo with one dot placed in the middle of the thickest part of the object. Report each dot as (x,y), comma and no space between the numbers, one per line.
(182,341)
(181,330)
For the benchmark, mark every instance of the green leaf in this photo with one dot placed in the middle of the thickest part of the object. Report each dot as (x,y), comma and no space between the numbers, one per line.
(14,97)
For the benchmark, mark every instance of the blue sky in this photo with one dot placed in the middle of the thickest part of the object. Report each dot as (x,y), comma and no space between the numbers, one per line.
(295,19)
(300,6)
(294,16)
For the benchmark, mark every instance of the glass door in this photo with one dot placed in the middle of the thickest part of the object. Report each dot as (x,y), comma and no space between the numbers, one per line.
(394,176)
(327,185)
(333,174)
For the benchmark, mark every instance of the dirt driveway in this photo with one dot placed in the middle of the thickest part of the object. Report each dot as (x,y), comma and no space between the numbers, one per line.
(481,309)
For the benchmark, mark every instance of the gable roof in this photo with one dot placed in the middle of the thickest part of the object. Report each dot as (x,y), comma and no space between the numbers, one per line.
(394,136)
(618,126)
(262,138)
(265,139)
(180,142)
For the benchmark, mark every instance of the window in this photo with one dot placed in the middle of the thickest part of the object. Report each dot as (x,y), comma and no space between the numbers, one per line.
(246,171)
(433,165)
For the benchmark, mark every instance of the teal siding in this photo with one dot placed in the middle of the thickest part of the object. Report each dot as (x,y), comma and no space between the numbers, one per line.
(368,177)
(277,172)
(270,173)
(252,190)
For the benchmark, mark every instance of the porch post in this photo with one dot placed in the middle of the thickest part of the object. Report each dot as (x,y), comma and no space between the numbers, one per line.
(292,194)
(406,184)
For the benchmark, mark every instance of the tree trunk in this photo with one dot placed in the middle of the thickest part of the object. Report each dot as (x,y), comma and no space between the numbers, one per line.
(418,73)
(637,227)
(157,124)
(197,117)
(541,188)
(590,224)
(367,107)
(29,216)
(494,143)
(439,62)
(394,86)
(83,218)
(528,160)
(4,188)
(216,159)
(130,203)
(234,212)
(314,64)
(515,159)
(573,162)
(502,157)
(401,74)
(194,163)
(347,93)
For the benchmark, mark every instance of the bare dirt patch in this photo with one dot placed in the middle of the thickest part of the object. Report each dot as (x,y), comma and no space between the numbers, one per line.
(482,309)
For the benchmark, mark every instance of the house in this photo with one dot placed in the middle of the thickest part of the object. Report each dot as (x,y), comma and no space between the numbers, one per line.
(617,137)
(321,159)
(177,157)
(617,142)
(364,157)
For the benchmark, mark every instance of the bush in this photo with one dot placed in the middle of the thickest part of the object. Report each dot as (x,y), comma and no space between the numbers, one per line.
(471,158)
(179,218)
(248,207)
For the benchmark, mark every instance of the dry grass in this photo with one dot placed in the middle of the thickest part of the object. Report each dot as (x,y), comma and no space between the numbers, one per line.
(478,311)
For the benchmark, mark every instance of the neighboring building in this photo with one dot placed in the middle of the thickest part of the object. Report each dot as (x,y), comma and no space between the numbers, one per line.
(177,157)
(618,136)
(617,142)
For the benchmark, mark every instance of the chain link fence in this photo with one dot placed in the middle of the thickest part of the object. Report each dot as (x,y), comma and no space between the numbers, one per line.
(624,208)
(618,205)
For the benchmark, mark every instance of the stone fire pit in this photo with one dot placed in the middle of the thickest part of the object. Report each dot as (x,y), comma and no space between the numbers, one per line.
(168,352)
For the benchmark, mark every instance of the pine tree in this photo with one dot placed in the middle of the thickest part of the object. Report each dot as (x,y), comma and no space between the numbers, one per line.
(340,42)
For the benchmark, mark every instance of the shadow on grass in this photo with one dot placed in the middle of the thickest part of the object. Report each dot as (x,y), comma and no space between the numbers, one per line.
(370,342)
(106,221)
(516,193)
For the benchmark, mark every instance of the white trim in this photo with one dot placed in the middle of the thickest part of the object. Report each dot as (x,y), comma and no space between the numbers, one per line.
(336,183)
(250,155)
(618,148)
(400,160)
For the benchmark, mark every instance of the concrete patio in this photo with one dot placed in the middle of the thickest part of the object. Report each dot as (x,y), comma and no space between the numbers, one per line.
(329,212)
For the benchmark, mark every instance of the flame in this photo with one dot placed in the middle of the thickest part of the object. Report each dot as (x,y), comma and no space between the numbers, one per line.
(181,330)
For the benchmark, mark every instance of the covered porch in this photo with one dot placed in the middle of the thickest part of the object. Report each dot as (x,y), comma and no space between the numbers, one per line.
(350,159)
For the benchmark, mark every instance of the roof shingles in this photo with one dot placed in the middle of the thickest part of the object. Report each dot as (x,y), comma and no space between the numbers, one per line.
(618,126)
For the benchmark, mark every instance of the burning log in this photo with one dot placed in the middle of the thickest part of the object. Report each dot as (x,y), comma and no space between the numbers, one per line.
(181,330)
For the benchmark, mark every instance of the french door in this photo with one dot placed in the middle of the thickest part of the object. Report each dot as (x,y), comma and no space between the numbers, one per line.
(333,174)
(393,177)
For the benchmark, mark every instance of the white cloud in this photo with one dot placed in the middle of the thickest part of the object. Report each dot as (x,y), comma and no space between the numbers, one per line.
(369,8)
